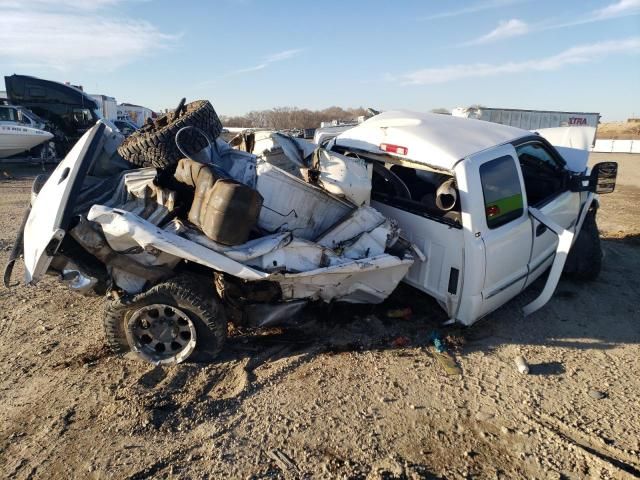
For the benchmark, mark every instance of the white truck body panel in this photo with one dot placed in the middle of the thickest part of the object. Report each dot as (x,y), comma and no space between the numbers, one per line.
(506,248)
(443,248)
(45,221)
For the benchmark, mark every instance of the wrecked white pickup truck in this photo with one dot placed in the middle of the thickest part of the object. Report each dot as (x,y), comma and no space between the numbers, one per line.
(492,207)
(467,211)
(181,248)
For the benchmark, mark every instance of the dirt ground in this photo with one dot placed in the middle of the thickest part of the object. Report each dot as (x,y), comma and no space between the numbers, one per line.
(358,395)
(619,130)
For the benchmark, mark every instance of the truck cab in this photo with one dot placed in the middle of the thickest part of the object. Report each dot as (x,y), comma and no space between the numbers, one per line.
(491,206)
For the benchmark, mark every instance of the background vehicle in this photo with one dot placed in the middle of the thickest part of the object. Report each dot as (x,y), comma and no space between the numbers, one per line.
(136,114)
(125,126)
(20,131)
(107,106)
(530,119)
(67,110)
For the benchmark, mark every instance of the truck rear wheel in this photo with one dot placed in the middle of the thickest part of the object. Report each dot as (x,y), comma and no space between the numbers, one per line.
(169,323)
(154,144)
(584,261)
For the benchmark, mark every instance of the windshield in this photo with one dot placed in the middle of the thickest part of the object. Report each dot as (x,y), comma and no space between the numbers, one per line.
(7,114)
(28,113)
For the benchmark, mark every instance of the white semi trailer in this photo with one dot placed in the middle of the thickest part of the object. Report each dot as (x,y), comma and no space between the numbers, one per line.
(529,119)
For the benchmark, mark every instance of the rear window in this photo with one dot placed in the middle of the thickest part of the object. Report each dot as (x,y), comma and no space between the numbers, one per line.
(502,191)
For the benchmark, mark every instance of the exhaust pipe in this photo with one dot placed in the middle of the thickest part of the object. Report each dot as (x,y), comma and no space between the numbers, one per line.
(446,195)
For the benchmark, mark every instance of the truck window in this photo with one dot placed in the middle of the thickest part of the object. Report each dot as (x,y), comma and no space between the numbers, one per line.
(413,191)
(502,191)
(8,114)
(543,175)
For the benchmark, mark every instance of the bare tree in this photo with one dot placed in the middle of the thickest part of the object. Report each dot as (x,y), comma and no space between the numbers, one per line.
(282,118)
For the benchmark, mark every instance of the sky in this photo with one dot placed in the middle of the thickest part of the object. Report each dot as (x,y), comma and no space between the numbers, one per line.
(242,55)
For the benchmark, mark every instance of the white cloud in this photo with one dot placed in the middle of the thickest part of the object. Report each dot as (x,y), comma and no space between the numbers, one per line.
(572,56)
(621,7)
(85,37)
(284,55)
(268,60)
(516,27)
(477,7)
(508,29)
(58,4)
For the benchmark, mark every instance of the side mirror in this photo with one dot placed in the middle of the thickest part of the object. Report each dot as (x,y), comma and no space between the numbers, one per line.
(603,177)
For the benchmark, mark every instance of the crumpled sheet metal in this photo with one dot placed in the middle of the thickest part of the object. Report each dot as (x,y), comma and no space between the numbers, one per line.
(298,256)
(284,151)
(369,280)
(122,223)
(364,219)
(344,176)
(240,253)
(230,163)
(132,190)
(293,205)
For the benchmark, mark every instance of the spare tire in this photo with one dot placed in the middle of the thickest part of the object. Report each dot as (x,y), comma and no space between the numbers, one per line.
(154,145)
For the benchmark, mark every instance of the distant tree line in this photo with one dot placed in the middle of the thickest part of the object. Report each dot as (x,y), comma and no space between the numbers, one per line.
(283,118)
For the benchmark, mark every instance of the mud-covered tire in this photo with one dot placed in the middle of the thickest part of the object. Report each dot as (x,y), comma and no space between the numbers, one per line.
(188,294)
(584,261)
(154,145)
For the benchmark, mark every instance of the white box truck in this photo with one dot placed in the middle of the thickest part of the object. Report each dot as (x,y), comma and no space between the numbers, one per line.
(107,106)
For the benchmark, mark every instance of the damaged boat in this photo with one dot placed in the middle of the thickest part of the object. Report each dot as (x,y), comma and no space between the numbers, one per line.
(182,233)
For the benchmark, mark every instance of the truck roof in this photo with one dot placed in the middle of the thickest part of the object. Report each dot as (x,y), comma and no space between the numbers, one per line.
(432,139)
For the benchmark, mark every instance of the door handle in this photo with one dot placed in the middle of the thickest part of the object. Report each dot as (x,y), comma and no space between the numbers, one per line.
(540,229)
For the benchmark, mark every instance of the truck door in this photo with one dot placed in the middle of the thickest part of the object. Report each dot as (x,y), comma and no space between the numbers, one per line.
(499,217)
(546,187)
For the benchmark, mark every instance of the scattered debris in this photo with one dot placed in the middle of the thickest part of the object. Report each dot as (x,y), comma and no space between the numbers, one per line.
(449,363)
(521,365)
(437,342)
(284,462)
(597,394)
(404,313)
(400,342)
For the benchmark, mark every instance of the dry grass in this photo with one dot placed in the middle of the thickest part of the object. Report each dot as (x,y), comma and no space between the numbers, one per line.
(619,131)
